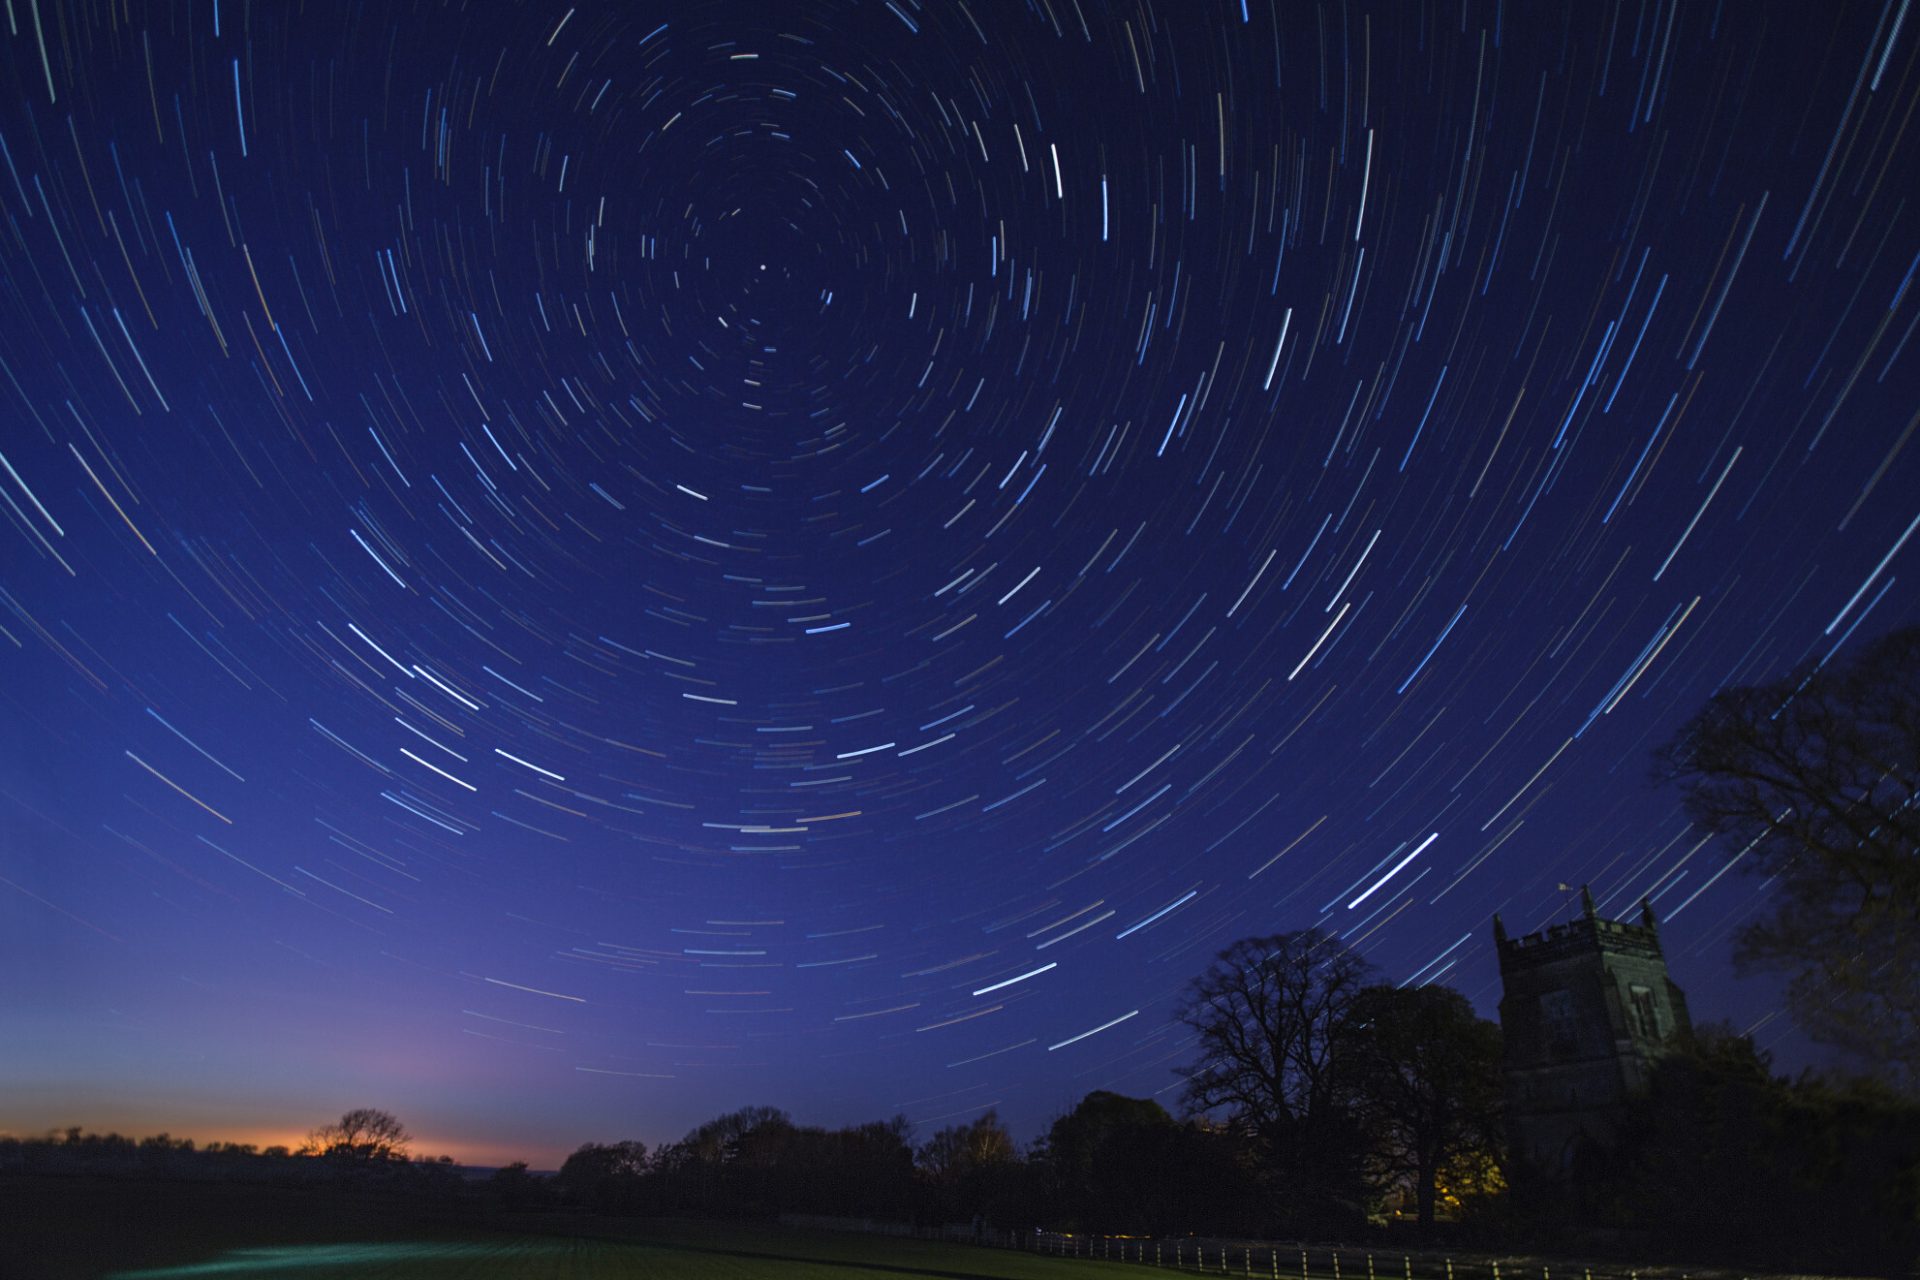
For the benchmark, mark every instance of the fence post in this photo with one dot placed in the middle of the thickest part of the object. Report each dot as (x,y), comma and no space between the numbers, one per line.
(1496,1270)
(1336,1266)
(1449,1269)
(1303,1266)
(1246,1257)
(1370,1267)
(1408,1259)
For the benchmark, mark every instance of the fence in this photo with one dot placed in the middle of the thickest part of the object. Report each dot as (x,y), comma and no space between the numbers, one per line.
(1245,1259)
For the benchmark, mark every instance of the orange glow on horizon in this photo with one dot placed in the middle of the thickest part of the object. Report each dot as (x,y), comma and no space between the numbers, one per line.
(479,1153)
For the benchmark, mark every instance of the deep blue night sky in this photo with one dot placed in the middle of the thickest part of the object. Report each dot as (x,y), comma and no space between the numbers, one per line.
(568,569)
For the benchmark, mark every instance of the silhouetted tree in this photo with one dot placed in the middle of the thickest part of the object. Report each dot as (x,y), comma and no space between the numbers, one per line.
(725,1165)
(970,1167)
(858,1171)
(603,1178)
(1723,1159)
(435,1177)
(1109,1159)
(1268,1015)
(1813,782)
(1423,1074)
(756,1161)
(718,1140)
(364,1135)
(513,1187)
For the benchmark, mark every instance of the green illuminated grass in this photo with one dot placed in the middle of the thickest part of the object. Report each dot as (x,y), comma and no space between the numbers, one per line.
(696,1252)
(391,1258)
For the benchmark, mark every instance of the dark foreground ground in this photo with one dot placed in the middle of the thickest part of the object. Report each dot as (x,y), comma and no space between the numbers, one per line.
(91,1229)
(96,1229)
(56,1228)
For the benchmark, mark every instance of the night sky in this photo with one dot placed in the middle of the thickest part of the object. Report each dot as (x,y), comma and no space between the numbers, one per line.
(570,569)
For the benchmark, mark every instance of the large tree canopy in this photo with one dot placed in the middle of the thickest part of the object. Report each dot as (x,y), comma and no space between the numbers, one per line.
(1812,781)
(1268,1015)
(1422,1071)
(1110,1156)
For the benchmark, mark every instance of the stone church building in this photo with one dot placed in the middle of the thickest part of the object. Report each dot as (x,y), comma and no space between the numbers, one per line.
(1587,1007)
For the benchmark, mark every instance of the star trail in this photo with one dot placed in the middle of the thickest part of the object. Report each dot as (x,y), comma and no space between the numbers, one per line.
(572,568)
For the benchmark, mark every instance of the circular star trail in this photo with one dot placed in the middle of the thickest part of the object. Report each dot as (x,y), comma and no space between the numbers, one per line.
(572,568)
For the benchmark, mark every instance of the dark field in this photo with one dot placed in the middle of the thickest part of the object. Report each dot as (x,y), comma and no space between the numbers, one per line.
(81,1229)
(114,1229)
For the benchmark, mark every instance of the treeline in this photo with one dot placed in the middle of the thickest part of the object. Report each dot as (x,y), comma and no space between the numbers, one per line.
(76,1152)
(1113,1164)
(1720,1161)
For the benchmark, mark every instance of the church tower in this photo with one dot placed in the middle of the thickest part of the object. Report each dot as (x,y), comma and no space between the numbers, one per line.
(1587,1007)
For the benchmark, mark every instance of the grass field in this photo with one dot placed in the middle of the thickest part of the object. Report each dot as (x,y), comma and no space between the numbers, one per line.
(74,1229)
(100,1229)
(791,1256)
